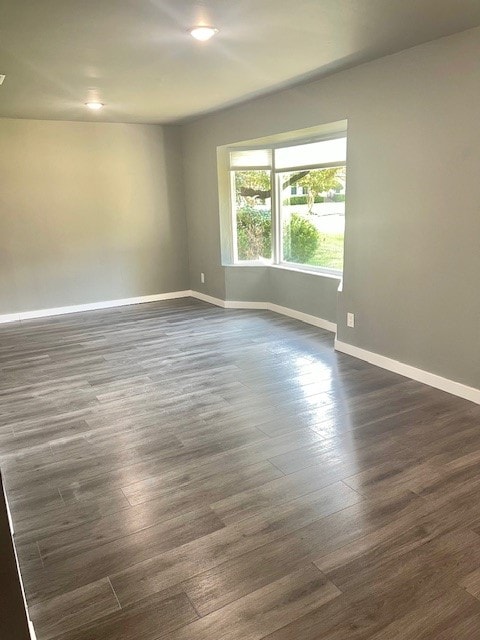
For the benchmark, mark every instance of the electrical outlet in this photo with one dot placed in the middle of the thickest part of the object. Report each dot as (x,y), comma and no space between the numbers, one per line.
(350,320)
(202,278)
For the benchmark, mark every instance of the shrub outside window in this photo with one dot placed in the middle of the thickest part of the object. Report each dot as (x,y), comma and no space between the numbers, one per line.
(253,215)
(288,204)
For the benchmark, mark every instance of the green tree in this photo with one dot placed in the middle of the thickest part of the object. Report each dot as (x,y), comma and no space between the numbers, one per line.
(254,185)
(319,181)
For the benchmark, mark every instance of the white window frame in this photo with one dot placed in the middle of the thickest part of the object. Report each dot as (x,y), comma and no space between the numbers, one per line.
(277,245)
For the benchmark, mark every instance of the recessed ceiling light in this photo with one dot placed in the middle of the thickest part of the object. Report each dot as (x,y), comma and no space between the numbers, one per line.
(94,106)
(203,33)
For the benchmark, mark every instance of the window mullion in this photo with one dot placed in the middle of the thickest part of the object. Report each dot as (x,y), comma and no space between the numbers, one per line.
(278,215)
(233,216)
(276,225)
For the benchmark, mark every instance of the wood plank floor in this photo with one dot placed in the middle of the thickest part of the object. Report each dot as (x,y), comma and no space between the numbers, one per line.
(178,471)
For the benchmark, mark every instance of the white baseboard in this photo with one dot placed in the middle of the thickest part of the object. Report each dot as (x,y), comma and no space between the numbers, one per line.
(9,317)
(241,304)
(432,379)
(225,304)
(210,299)
(303,317)
(91,306)
(268,306)
(33,635)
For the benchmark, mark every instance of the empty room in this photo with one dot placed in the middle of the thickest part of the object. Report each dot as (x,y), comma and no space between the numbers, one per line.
(239,320)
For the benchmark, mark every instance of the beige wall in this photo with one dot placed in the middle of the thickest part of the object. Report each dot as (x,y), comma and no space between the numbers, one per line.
(89,212)
(412,259)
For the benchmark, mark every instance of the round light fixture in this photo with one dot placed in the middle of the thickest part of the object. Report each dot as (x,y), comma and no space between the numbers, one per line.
(203,33)
(94,106)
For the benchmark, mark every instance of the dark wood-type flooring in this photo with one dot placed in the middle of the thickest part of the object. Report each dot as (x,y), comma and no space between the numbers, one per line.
(177,471)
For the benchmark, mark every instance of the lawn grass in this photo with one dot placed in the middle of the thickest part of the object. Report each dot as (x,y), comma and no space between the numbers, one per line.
(329,252)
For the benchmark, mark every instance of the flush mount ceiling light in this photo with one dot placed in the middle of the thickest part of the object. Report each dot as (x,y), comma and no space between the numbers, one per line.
(203,33)
(94,106)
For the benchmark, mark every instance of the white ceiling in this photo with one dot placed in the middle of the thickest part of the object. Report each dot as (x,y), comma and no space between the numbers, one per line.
(137,57)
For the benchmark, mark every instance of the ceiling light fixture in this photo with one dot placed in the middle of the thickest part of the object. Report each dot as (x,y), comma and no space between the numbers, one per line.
(203,33)
(94,106)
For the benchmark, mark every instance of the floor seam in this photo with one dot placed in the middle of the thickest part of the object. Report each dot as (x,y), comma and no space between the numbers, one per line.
(40,554)
(192,604)
(114,592)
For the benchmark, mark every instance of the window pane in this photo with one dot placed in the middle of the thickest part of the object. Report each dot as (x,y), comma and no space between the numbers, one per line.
(251,158)
(253,215)
(313,224)
(304,155)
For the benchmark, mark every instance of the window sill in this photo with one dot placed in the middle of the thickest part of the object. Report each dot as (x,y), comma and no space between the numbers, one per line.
(326,273)
(249,263)
(336,275)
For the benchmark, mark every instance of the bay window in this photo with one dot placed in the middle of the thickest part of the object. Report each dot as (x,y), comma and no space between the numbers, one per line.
(288,204)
